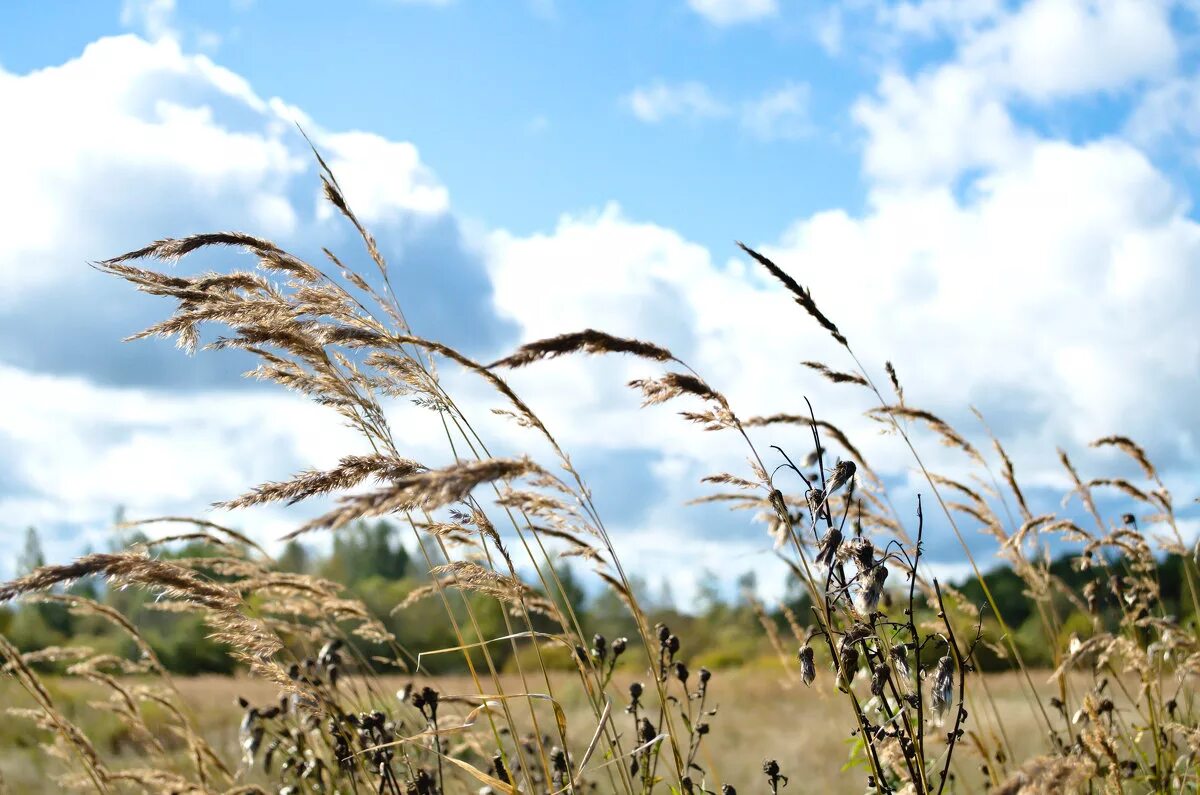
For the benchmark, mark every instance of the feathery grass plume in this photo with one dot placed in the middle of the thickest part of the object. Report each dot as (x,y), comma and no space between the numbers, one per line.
(166,578)
(730,480)
(803,297)
(465,575)
(1007,470)
(248,639)
(891,373)
(1030,526)
(1131,449)
(673,385)
(1085,493)
(1125,487)
(586,341)
(425,490)
(836,376)
(768,625)
(981,505)
(949,436)
(350,471)
(1049,775)
(205,524)
(68,733)
(174,249)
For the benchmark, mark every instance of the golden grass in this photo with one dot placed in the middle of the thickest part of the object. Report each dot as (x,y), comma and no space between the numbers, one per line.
(758,708)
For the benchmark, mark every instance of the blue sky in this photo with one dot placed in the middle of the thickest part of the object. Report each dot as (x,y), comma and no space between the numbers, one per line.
(997,196)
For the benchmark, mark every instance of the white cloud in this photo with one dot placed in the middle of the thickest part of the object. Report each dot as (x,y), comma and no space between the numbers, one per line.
(1040,298)
(778,114)
(954,116)
(78,451)
(97,122)
(660,101)
(386,178)
(155,18)
(111,117)
(1053,48)
(781,114)
(733,12)
(1168,114)
(927,18)
(932,128)
(129,142)
(830,30)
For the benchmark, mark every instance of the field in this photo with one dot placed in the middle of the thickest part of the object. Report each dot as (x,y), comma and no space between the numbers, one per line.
(760,716)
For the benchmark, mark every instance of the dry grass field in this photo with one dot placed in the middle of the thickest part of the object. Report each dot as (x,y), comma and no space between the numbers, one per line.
(760,715)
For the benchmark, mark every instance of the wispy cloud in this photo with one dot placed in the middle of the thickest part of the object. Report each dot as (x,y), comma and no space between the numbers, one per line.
(733,12)
(154,18)
(660,101)
(780,115)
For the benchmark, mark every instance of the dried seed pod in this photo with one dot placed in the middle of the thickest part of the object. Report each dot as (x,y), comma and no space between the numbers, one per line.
(827,551)
(816,500)
(899,655)
(599,647)
(646,731)
(808,669)
(774,777)
(879,677)
(848,665)
(872,590)
(843,471)
(942,691)
(681,672)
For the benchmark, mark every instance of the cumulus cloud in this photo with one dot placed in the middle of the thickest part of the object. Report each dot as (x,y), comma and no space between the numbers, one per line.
(931,128)
(1054,48)
(955,115)
(133,141)
(733,12)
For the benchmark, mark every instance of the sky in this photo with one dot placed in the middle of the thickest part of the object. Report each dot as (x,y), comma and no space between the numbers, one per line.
(995,196)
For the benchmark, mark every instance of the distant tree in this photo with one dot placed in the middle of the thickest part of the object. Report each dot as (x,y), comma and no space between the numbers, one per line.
(708,593)
(747,587)
(365,550)
(31,556)
(295,558)
(665,600)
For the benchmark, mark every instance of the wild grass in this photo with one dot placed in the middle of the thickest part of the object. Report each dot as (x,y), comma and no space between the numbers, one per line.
(886,657)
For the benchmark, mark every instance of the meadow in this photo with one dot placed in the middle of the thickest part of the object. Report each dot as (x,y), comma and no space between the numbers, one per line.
(876,677)
(761,713)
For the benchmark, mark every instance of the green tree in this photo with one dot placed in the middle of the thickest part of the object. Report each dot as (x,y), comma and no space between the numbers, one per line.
(31,556)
